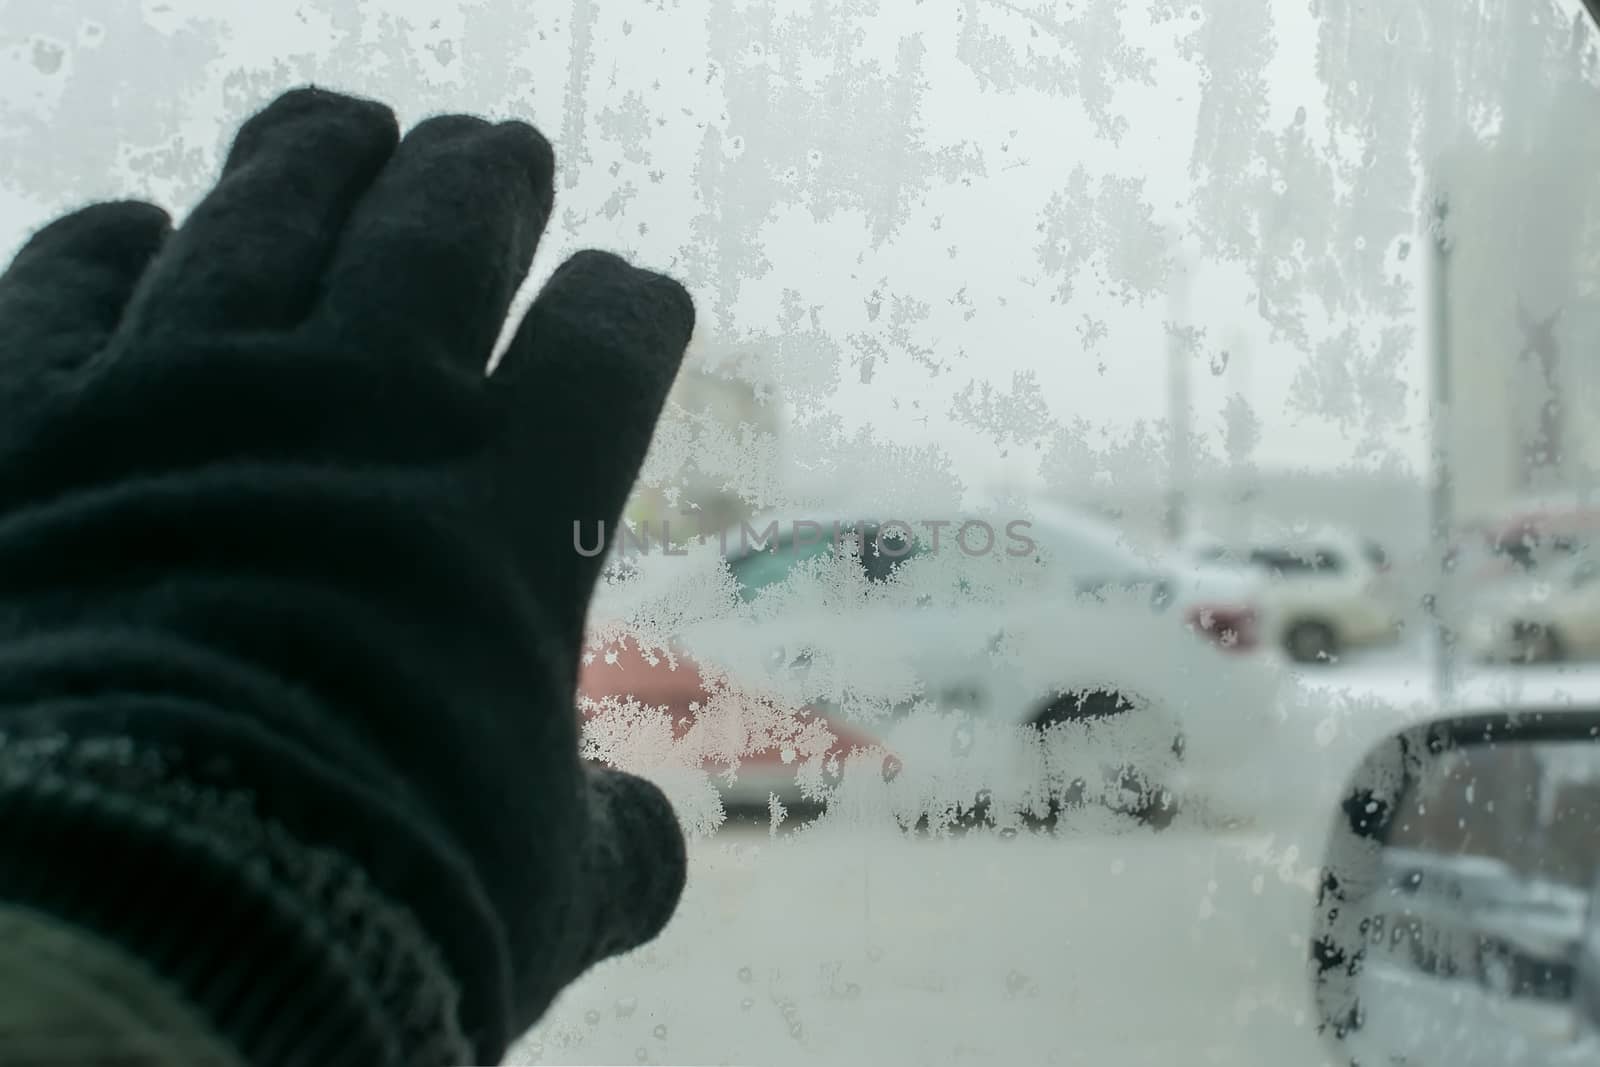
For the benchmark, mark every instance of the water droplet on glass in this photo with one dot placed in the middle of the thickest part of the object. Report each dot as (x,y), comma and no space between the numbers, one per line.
(625,1006)
(660,1031)
(47,57)
(1299,116)
(642,1054)
(746,975)
(747,1003)
(796,1030)
(591,1017)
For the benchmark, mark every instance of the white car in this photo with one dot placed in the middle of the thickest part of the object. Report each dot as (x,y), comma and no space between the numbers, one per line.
(1016,679)
(1086,553)
(1327,592)
(1552,617)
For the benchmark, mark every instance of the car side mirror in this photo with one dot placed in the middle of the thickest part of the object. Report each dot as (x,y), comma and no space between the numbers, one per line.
(1586,997)
(1458,918)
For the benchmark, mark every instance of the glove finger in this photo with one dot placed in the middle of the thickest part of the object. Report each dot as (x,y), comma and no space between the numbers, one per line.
(251,254)
(581,386)
(435,251)
(636,865)
(66,291)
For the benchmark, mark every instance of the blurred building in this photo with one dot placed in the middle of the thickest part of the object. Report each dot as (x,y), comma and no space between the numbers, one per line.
(717,447)
(1522,273)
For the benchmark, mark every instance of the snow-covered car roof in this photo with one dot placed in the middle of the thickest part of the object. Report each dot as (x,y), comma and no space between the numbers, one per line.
(1085,528)
(1290,536)
(1088,544)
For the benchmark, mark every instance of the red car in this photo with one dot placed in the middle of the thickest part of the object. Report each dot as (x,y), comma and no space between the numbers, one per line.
(753,747)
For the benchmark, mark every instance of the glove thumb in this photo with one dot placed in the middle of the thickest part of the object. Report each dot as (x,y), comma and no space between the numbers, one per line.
(635,864)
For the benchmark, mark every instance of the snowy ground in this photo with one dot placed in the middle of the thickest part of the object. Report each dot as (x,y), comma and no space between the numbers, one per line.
(845,946)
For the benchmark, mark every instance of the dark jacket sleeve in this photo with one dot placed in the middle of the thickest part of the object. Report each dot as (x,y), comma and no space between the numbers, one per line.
(288,648)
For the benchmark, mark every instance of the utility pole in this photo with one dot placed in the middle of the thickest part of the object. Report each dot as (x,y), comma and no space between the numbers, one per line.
(1179,358)
(1241,464)
(1442,498)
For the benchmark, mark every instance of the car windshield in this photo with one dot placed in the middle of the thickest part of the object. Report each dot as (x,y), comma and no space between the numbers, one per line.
(1052,288)
(763,567)
(767,557)
(1296,560)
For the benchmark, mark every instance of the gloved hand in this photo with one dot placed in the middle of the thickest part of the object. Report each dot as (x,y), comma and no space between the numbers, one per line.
(269,528)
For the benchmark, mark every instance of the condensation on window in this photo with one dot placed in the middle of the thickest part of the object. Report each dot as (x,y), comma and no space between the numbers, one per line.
(935,612)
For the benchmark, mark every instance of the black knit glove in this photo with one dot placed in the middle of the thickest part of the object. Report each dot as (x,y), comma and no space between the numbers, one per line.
(269,529)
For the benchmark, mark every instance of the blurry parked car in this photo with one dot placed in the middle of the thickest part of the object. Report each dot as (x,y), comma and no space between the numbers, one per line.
(929,663)
(1523,540)
(1547,617)
(1328,589)
(1218,601)
(752,744)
